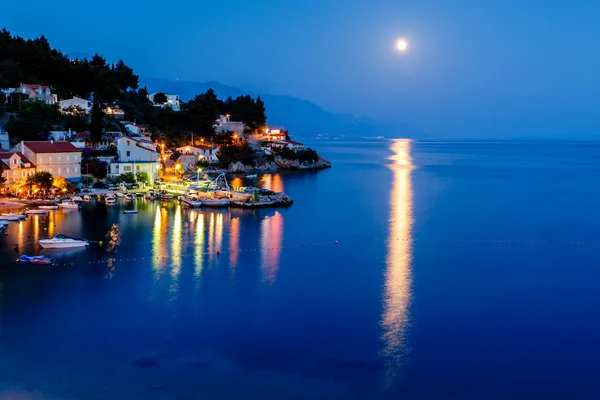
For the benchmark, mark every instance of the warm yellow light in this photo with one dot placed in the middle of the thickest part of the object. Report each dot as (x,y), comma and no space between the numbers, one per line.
(402,45)
(235,136)
(177,166)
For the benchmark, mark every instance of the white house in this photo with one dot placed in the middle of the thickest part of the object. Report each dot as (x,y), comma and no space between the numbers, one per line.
(224,124)
(60,136)
(114,112)
(290,144)
(37,92)
(15,166)
(135,129)
(136,155)
(191,155)
(83,104)
(172,101)
(58,158)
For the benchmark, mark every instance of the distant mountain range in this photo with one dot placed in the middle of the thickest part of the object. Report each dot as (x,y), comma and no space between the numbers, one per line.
(301,117)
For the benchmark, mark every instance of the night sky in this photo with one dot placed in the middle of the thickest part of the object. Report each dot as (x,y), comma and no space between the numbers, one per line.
(510,68)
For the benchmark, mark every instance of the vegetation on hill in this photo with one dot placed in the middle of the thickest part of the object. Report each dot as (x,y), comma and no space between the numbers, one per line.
(33,61)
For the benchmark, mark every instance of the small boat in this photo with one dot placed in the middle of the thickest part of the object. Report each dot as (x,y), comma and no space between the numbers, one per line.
(13,217)
(86,198)
(69,205)
(119,195)
(191,201)
(253,176)
(128,197)
(110,200)
(77,199)
(37,212)
(215,202)
(52,207)
(130,212)
(62,242)
(165,196)
(36,260)
(149,195)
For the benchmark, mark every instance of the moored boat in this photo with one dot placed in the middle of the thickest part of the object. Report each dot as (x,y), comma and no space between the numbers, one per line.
(13,217)
(36,260)
(191,201)
(215,202)
(110,199)
(86,198)
(128,197)
(77,199)
(69,205)
(119,195)
(62,242)
(50,207)
(130,212)
(36,211)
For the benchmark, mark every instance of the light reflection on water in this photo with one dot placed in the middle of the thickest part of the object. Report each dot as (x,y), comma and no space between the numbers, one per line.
(271,240)
(397,291)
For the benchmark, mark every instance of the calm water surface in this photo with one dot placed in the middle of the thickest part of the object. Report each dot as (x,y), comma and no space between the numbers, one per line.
(462,270)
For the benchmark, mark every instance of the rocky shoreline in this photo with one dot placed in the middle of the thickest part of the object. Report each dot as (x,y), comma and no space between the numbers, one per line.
(278,163)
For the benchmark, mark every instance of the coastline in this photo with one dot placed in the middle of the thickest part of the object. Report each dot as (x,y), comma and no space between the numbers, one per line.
(6,204)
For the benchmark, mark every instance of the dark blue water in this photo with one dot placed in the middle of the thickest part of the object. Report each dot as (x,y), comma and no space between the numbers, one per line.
(461,270)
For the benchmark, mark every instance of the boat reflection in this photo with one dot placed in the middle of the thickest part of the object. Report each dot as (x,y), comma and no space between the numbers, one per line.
(234,242)
(271,240)
(397,290)
(272,182)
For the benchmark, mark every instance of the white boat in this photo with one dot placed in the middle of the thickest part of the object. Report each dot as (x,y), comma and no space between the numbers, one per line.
(165,196)
(53,207)
(77,199)
(191,201)
(128,197)
(110,200)
(69,205)
(149,194)
(86,198)
(62,242)
(119,195)
(215,202)
(13,217)
(38,212)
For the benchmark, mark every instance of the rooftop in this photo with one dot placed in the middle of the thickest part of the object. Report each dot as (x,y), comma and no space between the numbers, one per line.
(51,147)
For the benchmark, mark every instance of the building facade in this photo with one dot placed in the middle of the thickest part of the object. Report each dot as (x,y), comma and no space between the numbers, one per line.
(58,158)
(37,92)
(83,104)
(172,101)
(224,124)
(15,167)
(191,155)
(136,155)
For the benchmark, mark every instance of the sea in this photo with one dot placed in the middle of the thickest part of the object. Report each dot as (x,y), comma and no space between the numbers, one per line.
(409,270)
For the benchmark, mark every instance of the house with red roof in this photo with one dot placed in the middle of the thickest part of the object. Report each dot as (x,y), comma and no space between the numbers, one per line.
(15,166)
(58,158)
(37,92)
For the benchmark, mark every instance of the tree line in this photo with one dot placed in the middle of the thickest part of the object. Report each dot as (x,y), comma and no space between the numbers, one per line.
(35,61)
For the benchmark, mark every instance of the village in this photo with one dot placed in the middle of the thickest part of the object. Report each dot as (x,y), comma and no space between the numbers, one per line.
(131,153)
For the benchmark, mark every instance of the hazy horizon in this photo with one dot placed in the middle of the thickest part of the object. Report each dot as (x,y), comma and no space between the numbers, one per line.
(495,70)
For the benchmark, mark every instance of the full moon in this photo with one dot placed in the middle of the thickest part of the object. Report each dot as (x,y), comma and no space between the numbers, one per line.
(402,45)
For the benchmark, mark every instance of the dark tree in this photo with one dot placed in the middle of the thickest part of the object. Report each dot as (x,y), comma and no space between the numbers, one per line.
(160,98)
